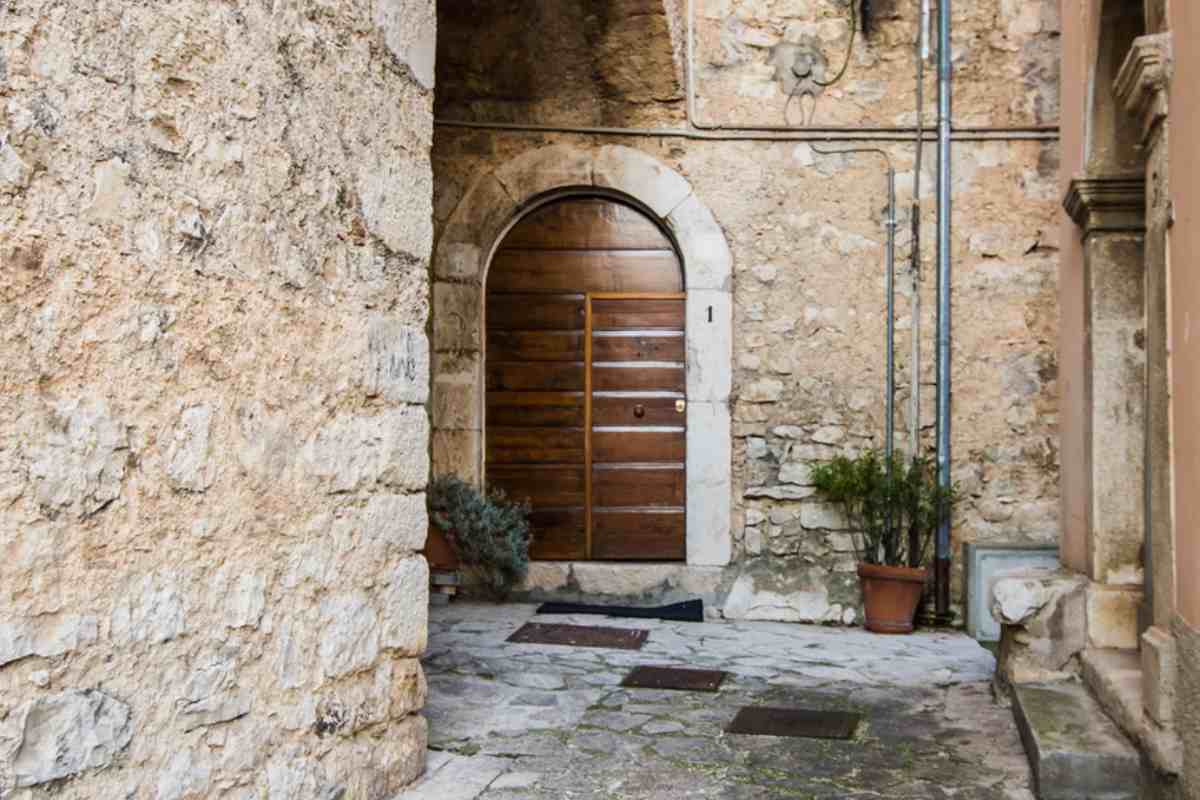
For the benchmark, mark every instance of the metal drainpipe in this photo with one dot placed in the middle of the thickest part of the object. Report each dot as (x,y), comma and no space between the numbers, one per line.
(942,562)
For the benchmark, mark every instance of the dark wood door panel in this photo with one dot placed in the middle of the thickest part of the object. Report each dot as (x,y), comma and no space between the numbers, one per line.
(623,410)
(558,534)
(530,312)
(630,446)
(544,431)
(643,347)
(638,486)
(638,314)
(556,271)
(535,409)
(543,485)
(639,378)
(638,535)
(587,224)
(534,445)
(553,376)
(535,346)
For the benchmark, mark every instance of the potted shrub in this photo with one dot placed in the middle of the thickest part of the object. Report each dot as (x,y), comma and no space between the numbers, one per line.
(894,509)
(484,535)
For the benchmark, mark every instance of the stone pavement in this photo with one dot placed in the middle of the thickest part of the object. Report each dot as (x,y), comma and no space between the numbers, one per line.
(534,721)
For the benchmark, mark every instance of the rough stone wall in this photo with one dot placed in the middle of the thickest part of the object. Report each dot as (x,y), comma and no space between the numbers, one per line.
(213,444)
(808,238)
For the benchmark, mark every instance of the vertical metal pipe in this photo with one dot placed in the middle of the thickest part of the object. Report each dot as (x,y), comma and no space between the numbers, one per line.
(942,564)
(924,32)
(890,399)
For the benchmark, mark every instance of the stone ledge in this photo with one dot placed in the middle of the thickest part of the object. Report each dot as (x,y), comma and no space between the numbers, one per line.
(1043,616)
(1142,85)
(1107,204)
(1115,676)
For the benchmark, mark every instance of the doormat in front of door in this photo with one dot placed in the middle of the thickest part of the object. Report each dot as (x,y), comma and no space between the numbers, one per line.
(798,722)
(687,680)
(580,636)
(687,611)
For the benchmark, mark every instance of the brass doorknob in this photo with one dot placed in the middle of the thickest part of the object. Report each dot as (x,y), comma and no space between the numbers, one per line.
(680,405)
(639,411)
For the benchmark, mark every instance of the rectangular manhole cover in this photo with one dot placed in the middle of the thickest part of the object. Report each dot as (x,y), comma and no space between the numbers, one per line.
(580,636)
(688,680)
(799,722)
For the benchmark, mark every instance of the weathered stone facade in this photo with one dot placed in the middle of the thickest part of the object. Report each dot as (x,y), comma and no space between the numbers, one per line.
(213,444)
(806,232)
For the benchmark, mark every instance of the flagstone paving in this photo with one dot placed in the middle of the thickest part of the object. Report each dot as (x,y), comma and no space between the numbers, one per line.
(540,722)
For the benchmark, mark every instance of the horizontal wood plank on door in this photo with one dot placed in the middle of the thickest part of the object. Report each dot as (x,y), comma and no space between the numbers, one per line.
(543,485)
(622,410)
(555,312)
(558,534)
(645,347)
(588,224)
(638,535)
(535,345)
(556,271)
(621,314)
(549,376)
(535,409)
(640,377)
(534,445)
(626,446)
(638,486)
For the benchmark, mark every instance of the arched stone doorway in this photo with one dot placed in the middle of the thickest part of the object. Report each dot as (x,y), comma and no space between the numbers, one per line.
(498,200)
(585,380)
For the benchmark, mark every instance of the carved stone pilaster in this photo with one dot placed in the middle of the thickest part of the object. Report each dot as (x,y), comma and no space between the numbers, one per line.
(1142,84)
(1110,204)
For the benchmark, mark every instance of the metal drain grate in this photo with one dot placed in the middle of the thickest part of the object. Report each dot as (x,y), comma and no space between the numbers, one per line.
(580,636)
(687,680)
(798,722)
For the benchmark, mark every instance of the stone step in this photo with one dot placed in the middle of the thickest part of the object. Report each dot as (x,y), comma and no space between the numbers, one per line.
(1076,751)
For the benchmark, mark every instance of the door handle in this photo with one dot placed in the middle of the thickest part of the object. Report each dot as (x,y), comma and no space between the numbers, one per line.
(639,411)
(680,405)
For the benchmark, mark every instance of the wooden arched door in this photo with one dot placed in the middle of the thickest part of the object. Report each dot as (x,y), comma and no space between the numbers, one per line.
(585,413)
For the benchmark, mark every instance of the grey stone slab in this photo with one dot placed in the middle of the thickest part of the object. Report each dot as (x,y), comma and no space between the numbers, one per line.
(1076,751)
(983,564)
(457,778)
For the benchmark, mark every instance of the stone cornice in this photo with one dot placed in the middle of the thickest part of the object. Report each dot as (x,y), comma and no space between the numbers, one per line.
(1109,204)
(1142,84)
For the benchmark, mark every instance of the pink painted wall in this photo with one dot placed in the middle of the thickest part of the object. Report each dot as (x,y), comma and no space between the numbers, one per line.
(1185,301)
(1078,37)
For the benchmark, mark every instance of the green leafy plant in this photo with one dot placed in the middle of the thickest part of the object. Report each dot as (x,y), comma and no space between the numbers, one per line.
(489,533)
(895,510)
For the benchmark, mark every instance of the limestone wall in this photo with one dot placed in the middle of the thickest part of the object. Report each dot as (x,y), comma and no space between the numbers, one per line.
(807,236)
(213,443)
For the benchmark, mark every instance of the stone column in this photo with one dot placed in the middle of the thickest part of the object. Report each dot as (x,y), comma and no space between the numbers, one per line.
(1142,89)
(1109,211)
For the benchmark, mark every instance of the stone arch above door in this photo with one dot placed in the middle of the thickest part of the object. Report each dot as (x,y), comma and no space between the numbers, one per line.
(490,206)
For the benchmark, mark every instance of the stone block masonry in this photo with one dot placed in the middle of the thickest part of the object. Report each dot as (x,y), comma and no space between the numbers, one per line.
(806,235)
(214,443)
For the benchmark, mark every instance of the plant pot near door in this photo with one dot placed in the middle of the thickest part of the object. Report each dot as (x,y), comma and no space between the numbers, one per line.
(439,550)
(891,596)
(894,508)
(489,542)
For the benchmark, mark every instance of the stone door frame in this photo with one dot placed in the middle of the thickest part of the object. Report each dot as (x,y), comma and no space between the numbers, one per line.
(497,200)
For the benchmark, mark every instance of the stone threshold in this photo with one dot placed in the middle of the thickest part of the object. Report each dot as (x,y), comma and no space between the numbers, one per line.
(640,581)
(1115,678)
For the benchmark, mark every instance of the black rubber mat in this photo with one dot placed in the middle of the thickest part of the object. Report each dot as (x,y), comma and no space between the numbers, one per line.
(798,722)
(580,636)
(687,611)
(686,680)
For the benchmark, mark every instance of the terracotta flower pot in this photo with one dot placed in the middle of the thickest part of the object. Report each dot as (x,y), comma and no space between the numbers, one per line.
(438,550)
(891,596)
